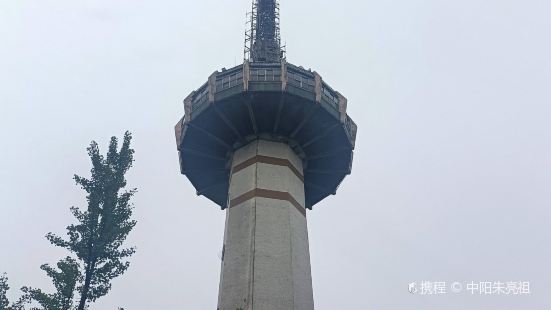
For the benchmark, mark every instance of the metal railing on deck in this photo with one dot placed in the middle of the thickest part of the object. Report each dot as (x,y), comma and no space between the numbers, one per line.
(229,78)
(300,78)
(200,97)
(351,129)
(329,96)
(229,82)
(265,72)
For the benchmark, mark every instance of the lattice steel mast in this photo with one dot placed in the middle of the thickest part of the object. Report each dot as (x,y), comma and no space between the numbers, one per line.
(263,39)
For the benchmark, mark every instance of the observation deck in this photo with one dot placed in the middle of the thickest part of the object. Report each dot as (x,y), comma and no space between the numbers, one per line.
(271,101)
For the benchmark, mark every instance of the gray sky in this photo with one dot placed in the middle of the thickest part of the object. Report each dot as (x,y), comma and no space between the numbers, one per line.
(452,168)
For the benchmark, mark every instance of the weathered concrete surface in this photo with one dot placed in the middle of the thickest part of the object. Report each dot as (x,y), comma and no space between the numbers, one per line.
(266,261)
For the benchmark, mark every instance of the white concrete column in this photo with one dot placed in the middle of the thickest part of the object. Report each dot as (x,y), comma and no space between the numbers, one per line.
(266,261)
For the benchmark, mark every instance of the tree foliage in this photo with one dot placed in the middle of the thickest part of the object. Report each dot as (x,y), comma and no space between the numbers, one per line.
(4,288)
(4,302)
(64,280)
(97,238)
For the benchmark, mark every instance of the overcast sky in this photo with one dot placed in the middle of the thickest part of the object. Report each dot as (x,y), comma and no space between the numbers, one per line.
(452,168)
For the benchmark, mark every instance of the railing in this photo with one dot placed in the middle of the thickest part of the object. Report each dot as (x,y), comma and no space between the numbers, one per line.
(300,78)
(200,97)
(229,78)
(351,129)
(266,76)
(330,96)
(265,72)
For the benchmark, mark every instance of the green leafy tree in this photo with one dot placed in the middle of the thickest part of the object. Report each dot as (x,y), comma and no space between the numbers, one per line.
(4,288)
(96,239)
(64,280)
(4,302)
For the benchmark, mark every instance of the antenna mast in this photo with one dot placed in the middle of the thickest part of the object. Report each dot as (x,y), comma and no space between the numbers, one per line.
(262,39)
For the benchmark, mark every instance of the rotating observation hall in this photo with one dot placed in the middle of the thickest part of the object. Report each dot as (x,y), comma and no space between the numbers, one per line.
(265,141)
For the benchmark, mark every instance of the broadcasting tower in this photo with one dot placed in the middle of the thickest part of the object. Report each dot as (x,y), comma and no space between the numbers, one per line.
(265,140)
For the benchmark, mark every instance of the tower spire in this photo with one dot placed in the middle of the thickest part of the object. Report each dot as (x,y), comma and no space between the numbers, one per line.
(262,41)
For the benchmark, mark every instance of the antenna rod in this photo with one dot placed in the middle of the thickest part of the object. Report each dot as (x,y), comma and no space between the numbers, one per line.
(266,45)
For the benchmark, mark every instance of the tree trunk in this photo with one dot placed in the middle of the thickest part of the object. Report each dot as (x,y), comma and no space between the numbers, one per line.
(86,287)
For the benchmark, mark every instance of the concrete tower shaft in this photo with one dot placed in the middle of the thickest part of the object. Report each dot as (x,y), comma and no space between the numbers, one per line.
(266,261)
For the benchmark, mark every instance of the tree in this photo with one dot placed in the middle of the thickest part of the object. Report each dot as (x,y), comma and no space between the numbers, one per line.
(4,288)
(64,280)
(4,302)
(96,240)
